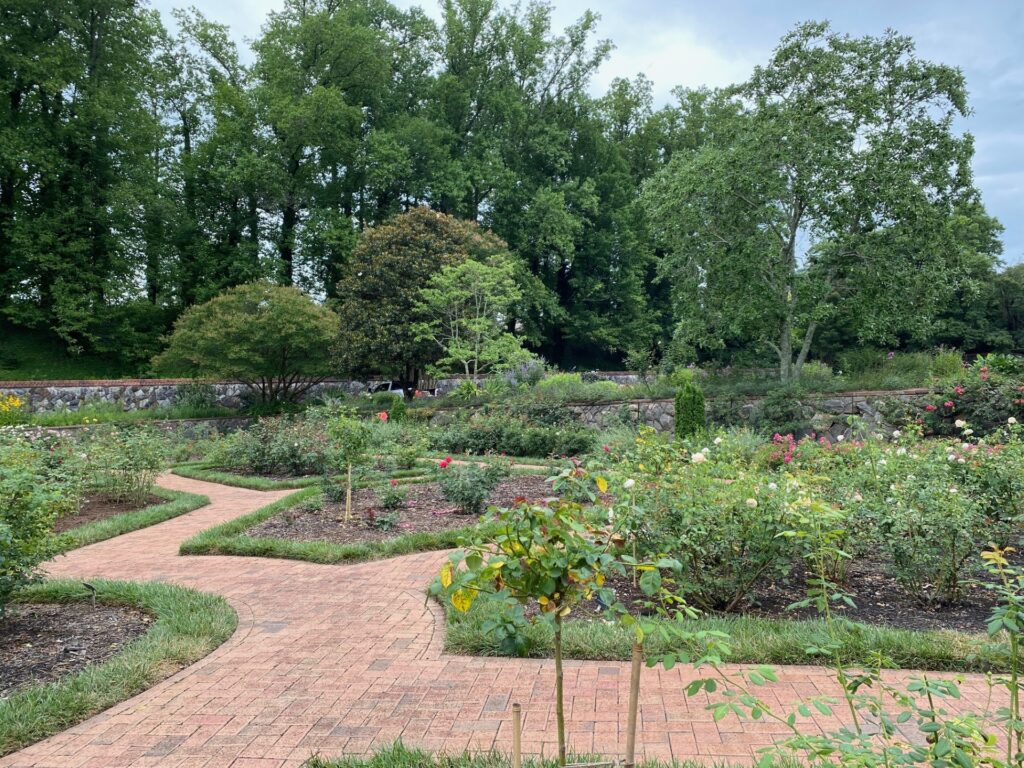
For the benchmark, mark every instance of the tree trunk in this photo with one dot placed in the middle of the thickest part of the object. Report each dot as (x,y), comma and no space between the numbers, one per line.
(785,348)
(289,220)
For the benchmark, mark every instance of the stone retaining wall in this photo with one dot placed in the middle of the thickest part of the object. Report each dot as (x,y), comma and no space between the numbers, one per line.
(827,414)
(139,394)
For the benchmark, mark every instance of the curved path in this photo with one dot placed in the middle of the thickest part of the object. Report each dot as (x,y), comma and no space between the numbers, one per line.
(345,659)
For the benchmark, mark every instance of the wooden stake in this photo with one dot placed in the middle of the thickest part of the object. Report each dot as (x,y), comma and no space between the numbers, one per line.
(517,736)
(348,495)
(634,703)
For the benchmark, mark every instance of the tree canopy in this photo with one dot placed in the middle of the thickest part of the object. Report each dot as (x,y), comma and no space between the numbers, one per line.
(144,170)
(274,339)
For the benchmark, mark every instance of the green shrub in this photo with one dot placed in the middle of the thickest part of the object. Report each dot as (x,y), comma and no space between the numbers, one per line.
(691,418)
(468,486)
(284,445)
(817,376)
(947,364)
(931,529)
(391,496)
(779,412)
(390,403)
(199,395)
(497,433)
(31,500)
(124,461)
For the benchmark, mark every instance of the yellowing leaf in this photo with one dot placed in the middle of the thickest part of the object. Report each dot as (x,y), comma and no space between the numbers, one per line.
(600,579)
(462,599)
(447,575)
(602,484)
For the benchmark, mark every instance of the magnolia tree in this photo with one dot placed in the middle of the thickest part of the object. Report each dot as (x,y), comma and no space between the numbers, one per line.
(832,180)
(380,297)
(466,307)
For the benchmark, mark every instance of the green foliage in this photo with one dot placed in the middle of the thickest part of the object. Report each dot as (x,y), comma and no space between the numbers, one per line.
(286,445)
(195,395)
(498,434)
(730,213)
(31,499)
(469,485)
(125,461)
(691,418)
(391,496)
(546,553)
(273,339)
(380,295)
(466,308)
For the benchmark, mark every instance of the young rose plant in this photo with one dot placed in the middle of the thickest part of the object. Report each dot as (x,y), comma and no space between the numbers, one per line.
(535,552)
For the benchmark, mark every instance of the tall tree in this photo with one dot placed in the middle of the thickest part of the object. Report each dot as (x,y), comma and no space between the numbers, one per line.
(836,182)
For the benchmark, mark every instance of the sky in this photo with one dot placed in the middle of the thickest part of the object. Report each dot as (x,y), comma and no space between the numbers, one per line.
(716,43)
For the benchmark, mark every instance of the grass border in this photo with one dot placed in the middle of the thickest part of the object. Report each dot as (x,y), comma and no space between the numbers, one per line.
(189,625)
(230,539)
(201,471)
(177,503)
(753,639)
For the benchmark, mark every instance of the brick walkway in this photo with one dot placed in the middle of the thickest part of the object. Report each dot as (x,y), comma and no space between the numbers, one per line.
(345,659)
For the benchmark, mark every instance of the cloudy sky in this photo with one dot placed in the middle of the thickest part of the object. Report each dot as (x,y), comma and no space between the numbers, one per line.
(718,42)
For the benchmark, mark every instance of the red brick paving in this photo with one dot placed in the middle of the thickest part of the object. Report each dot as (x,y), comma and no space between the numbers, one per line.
(348,658)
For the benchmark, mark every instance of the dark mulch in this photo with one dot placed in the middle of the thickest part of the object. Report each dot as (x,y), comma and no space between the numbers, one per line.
(425,510)
(42,642)
(879,600)
(99,506)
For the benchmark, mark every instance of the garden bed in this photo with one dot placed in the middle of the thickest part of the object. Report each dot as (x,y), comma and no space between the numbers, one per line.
(99,506)
(878,601)
(185,626)
(425,511)
(160,505)
(42,642)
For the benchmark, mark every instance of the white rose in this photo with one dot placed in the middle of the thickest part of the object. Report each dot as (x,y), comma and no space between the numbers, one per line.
(961,461)
(965,446)
(896,434)
(968,431)
(840,438)
(718,441)
(1011,420)
(751,503)
(772,486)
(959,423)
(698,458)
(952,490)
(629,483)
(950,457)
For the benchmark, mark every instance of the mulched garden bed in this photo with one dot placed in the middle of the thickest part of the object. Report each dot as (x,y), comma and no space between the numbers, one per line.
(42,642)
(425,510)
(879,600)
(99,506)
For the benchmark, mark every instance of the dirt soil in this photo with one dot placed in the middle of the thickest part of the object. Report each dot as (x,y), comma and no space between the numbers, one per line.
(43,642)
(99,506)
(425,509)
(878,597)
